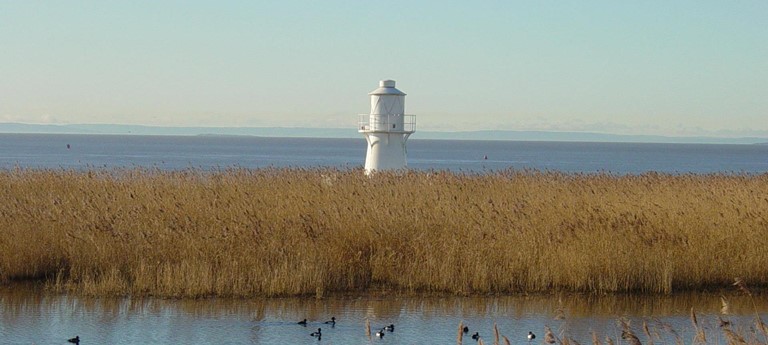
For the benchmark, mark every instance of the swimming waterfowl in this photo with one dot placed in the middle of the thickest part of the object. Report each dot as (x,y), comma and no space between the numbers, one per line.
(303,322)
(476,336)
(531,336)
(390,328)
(316,334)
(331,322)
(75,340)
(465,329)
(380,333)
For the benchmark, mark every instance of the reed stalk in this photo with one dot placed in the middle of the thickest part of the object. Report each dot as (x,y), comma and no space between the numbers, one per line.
(460,333)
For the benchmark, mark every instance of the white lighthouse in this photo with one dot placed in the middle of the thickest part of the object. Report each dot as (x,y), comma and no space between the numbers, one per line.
(386,128)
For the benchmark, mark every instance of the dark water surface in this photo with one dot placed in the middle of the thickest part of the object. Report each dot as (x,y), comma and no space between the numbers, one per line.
(214,152)
(35,317)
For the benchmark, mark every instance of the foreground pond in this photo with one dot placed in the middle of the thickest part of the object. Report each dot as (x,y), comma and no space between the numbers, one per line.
(28,316)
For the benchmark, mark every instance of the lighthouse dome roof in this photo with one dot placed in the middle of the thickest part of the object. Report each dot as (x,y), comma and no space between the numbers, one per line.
(387,87)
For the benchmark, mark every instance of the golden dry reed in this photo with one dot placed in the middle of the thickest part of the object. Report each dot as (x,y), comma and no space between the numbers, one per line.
(460,333)
(288,232)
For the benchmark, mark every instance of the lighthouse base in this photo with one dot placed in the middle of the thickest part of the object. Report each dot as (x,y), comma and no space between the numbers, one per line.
(386,151)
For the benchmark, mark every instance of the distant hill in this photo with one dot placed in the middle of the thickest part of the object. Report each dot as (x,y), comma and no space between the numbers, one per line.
(584,137)
(352,133)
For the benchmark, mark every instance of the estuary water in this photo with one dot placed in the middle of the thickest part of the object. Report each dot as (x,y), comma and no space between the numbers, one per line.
(52,151)
(33,317)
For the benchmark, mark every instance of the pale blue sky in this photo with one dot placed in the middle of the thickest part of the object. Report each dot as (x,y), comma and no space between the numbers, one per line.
(627,67)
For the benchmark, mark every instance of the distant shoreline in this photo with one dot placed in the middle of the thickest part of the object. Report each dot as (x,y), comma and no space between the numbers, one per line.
(340,133)
(429,137)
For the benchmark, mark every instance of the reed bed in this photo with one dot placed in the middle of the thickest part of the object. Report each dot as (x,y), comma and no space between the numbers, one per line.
(288,232)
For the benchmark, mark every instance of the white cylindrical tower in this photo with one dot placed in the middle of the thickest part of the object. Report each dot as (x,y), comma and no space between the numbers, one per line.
(386,129)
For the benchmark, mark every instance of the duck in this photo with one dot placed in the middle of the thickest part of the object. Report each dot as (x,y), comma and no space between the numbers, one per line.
(75,340)
(316,334)
(390,328)
(332,321)
(303,322)
(465,329)
(380,333)
(531,336)
(476,336)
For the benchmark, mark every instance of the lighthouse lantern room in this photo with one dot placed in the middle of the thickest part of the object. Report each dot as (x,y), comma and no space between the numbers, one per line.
(386,129)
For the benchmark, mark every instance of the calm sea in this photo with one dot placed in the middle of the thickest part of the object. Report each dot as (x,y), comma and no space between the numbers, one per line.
(54,151)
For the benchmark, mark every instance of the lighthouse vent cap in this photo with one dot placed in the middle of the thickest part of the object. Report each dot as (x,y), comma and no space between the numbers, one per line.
(387,87)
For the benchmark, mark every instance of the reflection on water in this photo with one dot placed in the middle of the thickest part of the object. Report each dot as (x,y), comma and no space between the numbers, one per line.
(32,316)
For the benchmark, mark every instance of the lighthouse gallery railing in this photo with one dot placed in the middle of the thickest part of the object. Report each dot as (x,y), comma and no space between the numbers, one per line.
(386,123)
